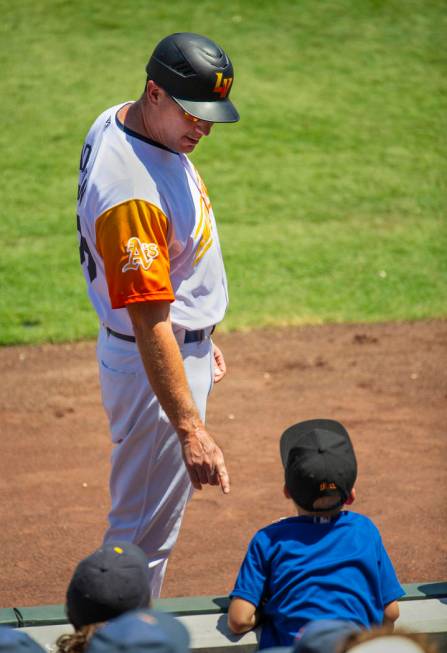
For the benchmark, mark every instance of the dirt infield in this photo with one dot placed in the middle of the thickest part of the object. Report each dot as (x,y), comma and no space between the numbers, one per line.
(387,383)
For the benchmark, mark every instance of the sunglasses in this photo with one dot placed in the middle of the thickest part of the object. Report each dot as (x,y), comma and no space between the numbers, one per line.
(189,117)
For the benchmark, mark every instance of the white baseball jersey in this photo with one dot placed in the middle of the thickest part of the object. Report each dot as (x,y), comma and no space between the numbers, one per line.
(147,230)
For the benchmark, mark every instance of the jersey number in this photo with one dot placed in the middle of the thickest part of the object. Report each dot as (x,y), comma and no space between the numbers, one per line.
(85,156)
(83,245)
(83,250)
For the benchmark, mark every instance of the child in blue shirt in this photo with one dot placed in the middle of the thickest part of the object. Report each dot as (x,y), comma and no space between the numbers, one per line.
(324,563)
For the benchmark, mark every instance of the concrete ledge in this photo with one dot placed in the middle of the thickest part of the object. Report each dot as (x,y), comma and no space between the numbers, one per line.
(54,614)
(210,634)
(416,591)
(422,609)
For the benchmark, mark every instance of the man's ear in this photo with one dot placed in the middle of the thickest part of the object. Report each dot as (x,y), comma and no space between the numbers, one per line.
(350,500)
(286,492)
(153,92)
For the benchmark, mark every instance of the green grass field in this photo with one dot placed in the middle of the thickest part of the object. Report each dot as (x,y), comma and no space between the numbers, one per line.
(330,193)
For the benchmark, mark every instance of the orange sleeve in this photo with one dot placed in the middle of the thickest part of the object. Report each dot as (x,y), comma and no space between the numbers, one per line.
(132,241)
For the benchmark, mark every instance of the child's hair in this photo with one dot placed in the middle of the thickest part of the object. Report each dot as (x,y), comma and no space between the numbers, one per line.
(363,636)
(76,642)
(329,504)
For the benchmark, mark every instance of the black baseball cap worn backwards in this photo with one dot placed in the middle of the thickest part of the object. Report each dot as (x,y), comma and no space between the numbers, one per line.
(196,73)
(319,461)
(107,583)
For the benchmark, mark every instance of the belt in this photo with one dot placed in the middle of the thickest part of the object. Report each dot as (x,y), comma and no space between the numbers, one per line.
(190,336)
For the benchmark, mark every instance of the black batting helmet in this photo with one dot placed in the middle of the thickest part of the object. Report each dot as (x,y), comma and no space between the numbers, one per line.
(196,73)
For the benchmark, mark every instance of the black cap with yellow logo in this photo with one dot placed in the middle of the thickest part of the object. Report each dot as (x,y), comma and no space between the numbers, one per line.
(319,461)
(196,73)
(111,580)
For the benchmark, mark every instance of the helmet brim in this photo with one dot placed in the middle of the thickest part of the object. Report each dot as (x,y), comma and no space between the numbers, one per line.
(217,111)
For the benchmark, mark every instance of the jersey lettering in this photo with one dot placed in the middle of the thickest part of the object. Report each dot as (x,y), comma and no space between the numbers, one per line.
(83,250)
(140,254)
(85,155)
(204,225)
(81,190)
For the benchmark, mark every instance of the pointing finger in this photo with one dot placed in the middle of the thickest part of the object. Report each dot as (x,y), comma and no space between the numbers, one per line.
(224,479)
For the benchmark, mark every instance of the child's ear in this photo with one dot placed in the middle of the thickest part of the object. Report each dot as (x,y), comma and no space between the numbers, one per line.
(286,492)
(350,500)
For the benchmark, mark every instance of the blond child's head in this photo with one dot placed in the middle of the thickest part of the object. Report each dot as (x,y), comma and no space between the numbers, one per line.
(386,640)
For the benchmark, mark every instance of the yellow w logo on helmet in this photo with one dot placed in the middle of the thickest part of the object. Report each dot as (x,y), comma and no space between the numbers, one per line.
(222,85)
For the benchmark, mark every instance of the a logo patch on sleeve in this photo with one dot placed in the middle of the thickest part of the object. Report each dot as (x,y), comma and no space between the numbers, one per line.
(140,254)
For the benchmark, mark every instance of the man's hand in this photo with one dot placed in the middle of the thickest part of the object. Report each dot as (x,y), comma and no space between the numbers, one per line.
(166,373)
(204,460)
(220,369)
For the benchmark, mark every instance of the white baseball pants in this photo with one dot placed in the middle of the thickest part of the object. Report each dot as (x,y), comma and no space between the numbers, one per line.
(149,484)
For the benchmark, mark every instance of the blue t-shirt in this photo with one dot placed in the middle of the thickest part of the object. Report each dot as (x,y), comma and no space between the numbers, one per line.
(304,568)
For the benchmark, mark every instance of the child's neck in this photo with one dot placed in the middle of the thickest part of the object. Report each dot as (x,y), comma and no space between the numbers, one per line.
(324,513)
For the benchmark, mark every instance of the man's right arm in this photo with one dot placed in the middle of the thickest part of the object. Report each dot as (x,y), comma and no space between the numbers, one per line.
(166,373)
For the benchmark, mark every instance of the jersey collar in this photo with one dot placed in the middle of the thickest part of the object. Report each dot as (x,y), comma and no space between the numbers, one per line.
(134,134)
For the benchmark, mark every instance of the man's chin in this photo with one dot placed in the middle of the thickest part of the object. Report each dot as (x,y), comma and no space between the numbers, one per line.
(188,145)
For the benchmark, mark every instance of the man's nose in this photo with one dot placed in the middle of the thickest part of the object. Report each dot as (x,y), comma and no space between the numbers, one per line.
(204,127)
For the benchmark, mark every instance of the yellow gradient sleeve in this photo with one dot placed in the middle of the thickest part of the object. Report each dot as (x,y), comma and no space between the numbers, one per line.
(132,241)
